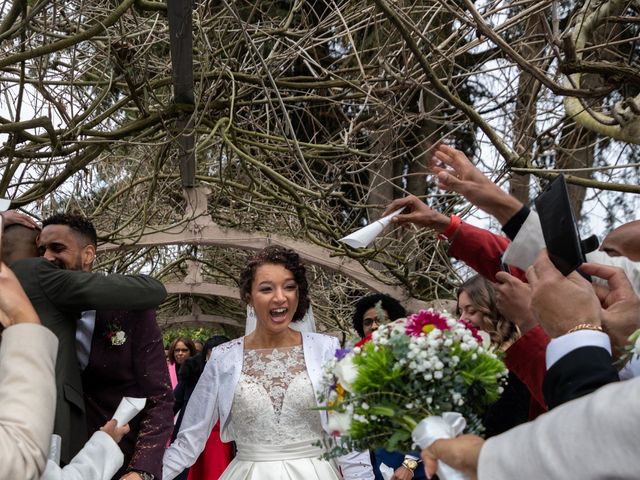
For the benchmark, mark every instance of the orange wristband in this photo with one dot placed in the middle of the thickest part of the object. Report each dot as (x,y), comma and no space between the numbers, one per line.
(454,223)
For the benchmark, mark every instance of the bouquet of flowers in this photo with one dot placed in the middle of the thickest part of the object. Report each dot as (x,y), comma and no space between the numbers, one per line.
(427,365)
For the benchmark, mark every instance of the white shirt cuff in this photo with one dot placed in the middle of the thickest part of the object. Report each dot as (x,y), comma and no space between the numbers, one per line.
(561,346)
(524,249)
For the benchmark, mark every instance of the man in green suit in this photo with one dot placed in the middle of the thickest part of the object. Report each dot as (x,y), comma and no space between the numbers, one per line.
(59,296)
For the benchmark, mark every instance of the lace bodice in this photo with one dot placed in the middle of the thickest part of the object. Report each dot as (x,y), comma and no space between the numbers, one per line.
(273,399)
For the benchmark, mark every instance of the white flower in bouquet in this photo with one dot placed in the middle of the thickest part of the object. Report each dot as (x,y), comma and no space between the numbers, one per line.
(346,372)
(339,423)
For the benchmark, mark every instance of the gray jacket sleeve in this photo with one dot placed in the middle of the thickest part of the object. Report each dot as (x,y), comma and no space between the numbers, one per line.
(79,291)
(590,438)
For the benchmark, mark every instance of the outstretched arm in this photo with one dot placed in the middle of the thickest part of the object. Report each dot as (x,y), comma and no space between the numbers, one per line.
(79,291)
(559,444)
(200,415)
(99,459)
(477,247)
(457,174)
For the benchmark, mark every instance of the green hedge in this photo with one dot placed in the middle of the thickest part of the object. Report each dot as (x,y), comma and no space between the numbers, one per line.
(194,333)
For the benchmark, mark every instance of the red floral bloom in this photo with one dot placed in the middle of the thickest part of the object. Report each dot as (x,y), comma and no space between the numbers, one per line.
(472,329)
(424,322)
(364,340)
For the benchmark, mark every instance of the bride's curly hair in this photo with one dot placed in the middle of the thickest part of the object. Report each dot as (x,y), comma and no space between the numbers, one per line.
(289,259)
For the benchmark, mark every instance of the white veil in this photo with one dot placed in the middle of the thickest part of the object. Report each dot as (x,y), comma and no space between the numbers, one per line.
(307,324)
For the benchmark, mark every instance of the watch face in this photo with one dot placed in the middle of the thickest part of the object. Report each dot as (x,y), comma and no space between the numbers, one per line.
(410,464)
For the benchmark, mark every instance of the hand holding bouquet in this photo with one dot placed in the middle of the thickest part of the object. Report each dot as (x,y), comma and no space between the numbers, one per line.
(427,365)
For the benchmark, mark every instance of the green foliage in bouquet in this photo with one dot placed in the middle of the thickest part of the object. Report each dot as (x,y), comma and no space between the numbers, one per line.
(426,365)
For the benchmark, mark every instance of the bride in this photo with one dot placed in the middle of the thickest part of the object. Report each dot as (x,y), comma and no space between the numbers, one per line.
(262,387)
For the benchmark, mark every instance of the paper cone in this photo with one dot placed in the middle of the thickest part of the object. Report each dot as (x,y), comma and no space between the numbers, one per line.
(363,237)
(5,203)
(129,407)
(54,448)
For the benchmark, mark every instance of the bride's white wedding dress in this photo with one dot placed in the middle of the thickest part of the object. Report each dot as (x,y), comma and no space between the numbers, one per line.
(264,400)
(273,420)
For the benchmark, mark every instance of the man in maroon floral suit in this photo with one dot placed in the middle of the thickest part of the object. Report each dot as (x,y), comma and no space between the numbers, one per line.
(121,354)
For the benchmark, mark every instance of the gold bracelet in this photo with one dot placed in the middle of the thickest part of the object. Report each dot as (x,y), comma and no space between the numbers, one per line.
(586,326)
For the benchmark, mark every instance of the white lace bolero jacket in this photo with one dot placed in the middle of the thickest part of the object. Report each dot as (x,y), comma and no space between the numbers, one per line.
(213,396)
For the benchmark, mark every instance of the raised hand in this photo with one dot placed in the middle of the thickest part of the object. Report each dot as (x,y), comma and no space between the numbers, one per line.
(621,306)
(417,212)
(13,217)
(513,299)
(558,302)
(458,174)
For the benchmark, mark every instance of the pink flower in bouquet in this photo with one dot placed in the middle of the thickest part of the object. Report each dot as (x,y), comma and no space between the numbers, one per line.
(474,331)
(424,322)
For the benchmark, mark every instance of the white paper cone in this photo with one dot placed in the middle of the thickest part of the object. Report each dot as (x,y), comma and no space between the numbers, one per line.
(129,407)
(5,203)
(363,237)
(55,447)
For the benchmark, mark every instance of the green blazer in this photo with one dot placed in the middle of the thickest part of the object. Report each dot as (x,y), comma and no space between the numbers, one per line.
(59,296)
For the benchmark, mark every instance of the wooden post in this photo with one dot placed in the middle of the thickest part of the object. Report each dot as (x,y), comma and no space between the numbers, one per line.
(180,14)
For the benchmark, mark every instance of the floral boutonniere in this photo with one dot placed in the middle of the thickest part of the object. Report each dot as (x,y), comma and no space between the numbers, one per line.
(115,334)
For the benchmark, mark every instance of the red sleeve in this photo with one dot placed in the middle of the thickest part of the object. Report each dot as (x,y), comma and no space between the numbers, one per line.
(526,359)
(481,250)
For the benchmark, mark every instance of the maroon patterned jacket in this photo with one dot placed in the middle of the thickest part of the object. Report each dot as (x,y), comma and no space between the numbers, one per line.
(136,368)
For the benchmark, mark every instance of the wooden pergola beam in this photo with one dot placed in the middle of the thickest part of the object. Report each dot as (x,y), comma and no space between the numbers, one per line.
(199,229)
(203,318)
(214,235)
(207,289)
(180,14)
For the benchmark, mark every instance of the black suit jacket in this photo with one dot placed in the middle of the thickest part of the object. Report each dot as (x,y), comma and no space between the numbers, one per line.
(59,296)
(135,368)
(578,373)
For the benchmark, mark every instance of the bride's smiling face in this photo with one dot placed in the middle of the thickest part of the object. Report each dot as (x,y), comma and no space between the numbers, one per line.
(274,296)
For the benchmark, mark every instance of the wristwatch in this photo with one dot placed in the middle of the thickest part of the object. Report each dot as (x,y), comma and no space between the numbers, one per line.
(410,463)
(144,475)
